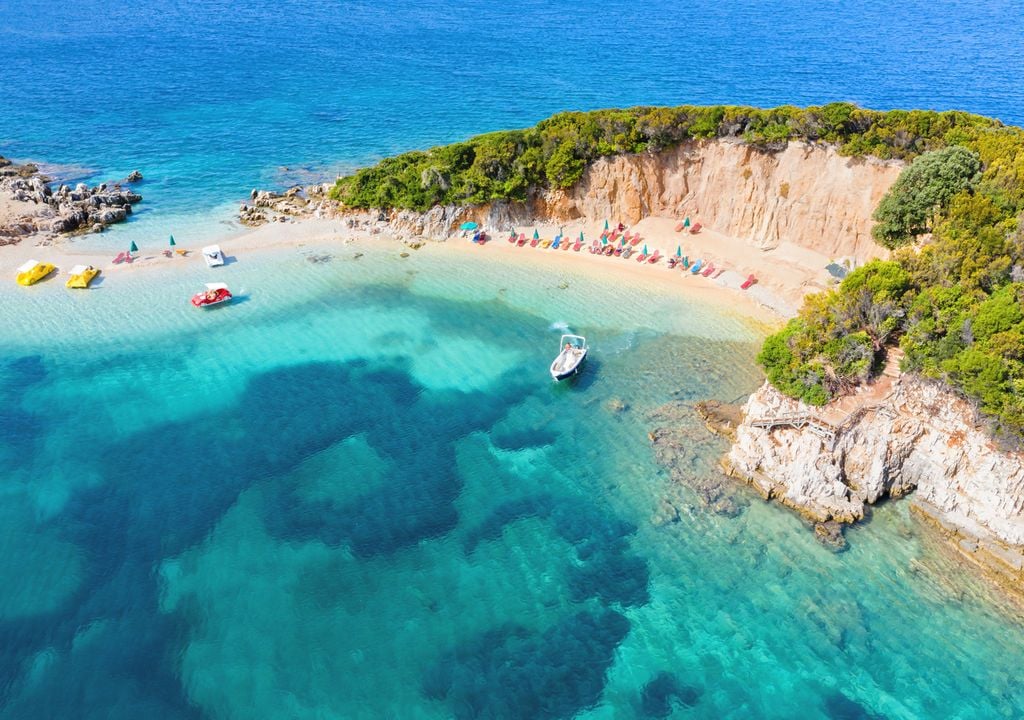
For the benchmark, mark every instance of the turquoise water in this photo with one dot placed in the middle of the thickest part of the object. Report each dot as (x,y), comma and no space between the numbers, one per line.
(356,494)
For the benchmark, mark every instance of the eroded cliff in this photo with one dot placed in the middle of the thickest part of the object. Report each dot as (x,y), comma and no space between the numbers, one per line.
(806,195)
(917,440)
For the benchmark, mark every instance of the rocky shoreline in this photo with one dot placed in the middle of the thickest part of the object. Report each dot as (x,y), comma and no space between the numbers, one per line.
(916,442)
(31,208)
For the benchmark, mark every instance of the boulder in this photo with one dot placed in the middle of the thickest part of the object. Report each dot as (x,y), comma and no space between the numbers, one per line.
(133,177)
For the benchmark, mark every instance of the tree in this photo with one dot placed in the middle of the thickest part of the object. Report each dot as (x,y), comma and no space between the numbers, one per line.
(922,189)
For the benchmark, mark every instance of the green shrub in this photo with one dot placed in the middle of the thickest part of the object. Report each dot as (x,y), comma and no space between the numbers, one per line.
(922,189)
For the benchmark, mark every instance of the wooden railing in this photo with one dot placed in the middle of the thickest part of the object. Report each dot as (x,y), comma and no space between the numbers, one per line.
(816,425)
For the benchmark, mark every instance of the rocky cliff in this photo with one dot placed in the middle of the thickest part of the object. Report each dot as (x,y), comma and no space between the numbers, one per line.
(917,440)
(805,194)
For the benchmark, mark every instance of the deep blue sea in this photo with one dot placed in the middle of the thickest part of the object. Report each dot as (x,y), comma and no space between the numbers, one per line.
(355,493)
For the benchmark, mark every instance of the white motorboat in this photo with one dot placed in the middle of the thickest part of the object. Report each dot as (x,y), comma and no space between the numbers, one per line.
(213,256)
(573,351)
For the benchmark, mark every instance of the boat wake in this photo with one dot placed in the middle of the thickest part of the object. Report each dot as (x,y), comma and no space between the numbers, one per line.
(559,326)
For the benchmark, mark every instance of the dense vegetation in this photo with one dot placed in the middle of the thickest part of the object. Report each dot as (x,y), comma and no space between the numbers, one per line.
(953,301)
(554,153)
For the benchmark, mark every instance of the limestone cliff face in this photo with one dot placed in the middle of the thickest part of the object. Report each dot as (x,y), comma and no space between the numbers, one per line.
(806,194)
(917,439)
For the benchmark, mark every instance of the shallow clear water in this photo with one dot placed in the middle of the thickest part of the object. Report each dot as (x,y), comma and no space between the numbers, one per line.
(356,494)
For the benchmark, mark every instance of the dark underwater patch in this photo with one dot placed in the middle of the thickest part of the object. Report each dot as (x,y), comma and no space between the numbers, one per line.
(839,707)
(512,673)
(661,694)
(607,570)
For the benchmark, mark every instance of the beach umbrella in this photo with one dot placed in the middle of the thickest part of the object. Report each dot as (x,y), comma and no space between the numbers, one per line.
(536,235)
(605,224)
(172,241)
(679,250)
(622,242)
(134,247)
(468,226)
(645,249)
(604,241)
(686,222)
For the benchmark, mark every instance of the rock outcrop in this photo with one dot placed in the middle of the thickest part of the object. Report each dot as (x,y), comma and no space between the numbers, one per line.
(30,206)
(918,440)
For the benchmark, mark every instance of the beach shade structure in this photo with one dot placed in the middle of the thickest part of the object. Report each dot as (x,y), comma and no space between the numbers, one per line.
(686,222)
(134,247)
(837,271)
(604,240)
(645,249)
(679,250)
(172,243)
(468,226)
(581,236)
(536,235)
(605,224)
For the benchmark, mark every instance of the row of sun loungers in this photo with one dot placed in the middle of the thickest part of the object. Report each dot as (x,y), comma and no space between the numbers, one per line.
(615,243)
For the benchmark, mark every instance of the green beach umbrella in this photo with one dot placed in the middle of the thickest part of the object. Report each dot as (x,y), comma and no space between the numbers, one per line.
(686,222)
(604,240)
(645,249)
(605,224)
(468,226)
(581,236)
(679,250)
(536,235)
(134,247)
(172,241)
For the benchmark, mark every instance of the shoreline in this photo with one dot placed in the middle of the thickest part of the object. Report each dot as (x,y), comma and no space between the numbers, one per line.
(722,293)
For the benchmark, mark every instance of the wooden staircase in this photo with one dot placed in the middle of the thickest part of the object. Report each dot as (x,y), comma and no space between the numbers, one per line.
(821,428)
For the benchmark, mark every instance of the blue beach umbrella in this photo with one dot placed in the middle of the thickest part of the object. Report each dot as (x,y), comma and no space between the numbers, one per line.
(468,226)
(134,247)
(172,241)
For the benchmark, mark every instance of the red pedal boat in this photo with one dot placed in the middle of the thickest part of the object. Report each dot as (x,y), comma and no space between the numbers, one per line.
(215,294)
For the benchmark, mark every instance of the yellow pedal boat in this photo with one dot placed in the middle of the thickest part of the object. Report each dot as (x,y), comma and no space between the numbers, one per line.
(81,276)
(32,272)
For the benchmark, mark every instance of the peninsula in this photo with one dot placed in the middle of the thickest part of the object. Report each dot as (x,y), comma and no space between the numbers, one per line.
(905,378)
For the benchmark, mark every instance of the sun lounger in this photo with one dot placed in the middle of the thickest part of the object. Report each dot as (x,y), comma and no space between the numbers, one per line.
(695,229)
(708,270)
(627,251)
(655,257)
(577,245)
(120,258)
(522,240)
(696,267)
(628,236)
(635,240)
(748,282)
(641,257)
(680,226)
(183,253)
(168,253)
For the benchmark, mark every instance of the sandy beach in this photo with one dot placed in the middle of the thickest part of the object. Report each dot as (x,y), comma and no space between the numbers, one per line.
(784,274)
